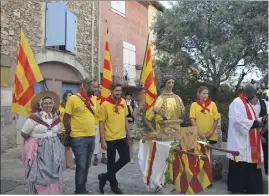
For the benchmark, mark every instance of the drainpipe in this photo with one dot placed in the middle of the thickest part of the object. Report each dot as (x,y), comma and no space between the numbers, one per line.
(93,42)
(99,42)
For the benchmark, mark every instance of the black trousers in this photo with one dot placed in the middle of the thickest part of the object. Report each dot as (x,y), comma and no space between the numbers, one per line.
(265,156)
(114,166)
(244,178)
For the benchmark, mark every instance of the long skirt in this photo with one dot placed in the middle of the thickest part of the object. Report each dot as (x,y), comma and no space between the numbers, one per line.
(44,161)
(244,178)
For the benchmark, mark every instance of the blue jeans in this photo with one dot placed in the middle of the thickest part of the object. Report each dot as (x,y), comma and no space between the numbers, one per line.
(82,148)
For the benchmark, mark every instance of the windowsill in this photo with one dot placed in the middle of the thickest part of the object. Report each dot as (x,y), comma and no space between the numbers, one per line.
(117,12)
(58,50)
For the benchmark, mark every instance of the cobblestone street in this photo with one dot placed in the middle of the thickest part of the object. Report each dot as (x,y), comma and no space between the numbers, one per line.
(130,178)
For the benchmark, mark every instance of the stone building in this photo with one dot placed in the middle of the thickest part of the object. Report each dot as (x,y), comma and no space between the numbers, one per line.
(64,36)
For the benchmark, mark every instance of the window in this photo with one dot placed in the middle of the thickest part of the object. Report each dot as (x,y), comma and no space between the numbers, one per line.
(61,27)
(5,76)
(69,86)
(129,62)
(118,7)
(39,87)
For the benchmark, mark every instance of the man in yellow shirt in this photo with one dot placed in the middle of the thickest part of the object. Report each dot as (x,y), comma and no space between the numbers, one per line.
(79,122)
(114,136)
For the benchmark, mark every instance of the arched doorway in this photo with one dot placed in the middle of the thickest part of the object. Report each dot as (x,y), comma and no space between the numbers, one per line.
(58,77)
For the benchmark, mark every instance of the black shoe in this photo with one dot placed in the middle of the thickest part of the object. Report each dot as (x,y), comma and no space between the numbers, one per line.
(210,186)
(116,190)
(102,183)
(86,192)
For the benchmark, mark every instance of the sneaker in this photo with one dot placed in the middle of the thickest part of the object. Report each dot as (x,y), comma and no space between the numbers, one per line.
(132,161)
(116,190)
(102,183)
(95,162)
(104,160)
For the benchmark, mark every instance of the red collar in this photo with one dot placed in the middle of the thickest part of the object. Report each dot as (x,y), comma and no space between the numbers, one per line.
(204,107)
(116,103)
(87,98)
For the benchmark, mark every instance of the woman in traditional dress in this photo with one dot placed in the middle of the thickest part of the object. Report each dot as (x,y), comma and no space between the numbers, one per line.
(141,125)
(204,114)
(43,153)
(68,152)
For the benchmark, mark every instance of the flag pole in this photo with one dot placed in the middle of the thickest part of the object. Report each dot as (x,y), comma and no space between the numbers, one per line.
(144,60)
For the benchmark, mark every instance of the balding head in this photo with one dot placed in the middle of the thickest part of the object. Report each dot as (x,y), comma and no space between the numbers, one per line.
(249,91)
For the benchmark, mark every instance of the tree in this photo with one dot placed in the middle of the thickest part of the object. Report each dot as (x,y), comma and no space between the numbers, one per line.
(216,37)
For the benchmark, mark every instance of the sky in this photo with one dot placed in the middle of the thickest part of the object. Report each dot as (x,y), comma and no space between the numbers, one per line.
(166,3)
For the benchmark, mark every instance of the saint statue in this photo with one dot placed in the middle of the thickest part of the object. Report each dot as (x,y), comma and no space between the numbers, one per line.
(168,105)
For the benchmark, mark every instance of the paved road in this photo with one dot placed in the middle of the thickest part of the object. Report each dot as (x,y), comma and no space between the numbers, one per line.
(130,178)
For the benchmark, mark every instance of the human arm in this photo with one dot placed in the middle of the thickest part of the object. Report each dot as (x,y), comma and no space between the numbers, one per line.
(216,117)
(193,117)
(102,118)
(27,128)
(102,135)
(238,117)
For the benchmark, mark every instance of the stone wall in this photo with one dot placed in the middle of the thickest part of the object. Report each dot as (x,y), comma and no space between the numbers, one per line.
(29,16)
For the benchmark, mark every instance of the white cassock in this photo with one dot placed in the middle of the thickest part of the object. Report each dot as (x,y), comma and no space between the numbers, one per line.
(238,131)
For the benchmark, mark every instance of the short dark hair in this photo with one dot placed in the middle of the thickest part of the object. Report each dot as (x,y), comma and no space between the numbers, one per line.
(128,94)
(114,85)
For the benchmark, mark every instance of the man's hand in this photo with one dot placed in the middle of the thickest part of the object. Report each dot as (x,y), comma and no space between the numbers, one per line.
(209,134)
(103,145)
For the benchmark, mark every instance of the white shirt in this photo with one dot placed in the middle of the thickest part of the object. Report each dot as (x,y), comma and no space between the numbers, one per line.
(238,131)
(128,102)
(257,107)
(39,131)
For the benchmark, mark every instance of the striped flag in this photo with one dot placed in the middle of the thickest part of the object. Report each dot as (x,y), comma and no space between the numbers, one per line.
(107,73)
(148,78)
(27,74)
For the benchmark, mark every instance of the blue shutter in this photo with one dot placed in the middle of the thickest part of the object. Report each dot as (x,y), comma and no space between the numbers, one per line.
(71,31)
(55,24)
(69,86)
(39,87)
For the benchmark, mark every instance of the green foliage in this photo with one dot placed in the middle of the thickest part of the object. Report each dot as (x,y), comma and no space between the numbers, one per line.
(214,37)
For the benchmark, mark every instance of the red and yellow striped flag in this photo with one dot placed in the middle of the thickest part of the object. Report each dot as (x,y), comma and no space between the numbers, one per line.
(27,74)
(107,73)
(148,78)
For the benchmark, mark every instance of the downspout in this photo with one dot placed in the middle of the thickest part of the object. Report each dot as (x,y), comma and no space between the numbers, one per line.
(93,42)
(99,43)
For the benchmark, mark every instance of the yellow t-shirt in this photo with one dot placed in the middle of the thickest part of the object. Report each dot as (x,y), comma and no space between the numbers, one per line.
(114,123)
(205,121)
(82,120)
(62,110)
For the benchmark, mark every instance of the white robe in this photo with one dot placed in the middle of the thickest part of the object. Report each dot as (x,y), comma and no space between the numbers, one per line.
(238,131)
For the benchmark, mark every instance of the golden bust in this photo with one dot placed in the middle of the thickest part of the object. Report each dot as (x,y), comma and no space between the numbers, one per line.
(167,110)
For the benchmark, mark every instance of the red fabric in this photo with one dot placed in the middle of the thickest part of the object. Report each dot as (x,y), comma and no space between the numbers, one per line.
(254,134)
(151,162)
(87,98)
(116,103)
(204,107)
(100,98)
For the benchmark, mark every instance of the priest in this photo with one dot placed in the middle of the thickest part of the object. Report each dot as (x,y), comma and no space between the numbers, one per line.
(245,175)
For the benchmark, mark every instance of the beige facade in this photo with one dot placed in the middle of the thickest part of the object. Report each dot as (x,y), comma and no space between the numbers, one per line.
(57,65)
